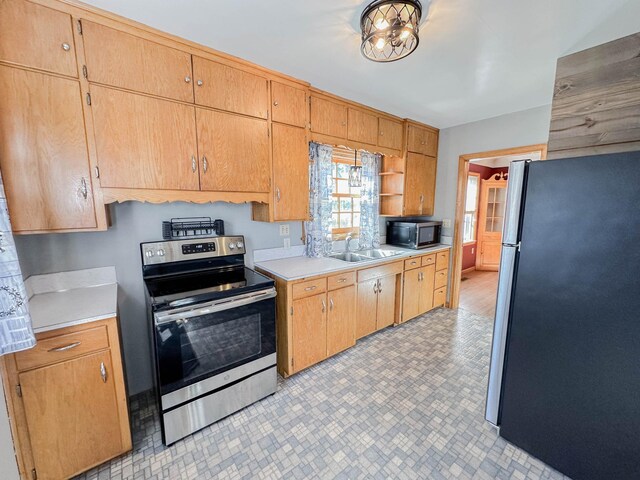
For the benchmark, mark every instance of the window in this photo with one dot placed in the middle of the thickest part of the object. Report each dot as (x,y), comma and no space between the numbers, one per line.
(471,208)
(345,205)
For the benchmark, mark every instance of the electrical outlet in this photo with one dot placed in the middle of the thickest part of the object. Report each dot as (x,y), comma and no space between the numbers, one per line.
(284,230)
(287,242)
(473,250)
(446,223)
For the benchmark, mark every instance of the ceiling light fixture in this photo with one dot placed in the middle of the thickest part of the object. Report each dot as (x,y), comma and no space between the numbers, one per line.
(390,29)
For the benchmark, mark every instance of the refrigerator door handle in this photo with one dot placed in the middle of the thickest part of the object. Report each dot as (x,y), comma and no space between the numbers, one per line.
(500,329)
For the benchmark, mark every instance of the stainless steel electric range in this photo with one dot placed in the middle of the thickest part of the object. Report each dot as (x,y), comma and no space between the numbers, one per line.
(213,331)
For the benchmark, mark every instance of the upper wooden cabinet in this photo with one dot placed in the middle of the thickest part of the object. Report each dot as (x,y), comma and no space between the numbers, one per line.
(420,184)
(126,61)
(422,140)
(144,142)
(43,152)
(234,152)
(290,173)
(37,36)
(288,104)
(231,89)
(328,118)
(362,126)
(389,133)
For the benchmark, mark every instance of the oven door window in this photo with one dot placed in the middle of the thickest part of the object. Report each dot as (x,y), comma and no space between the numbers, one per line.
(191,349)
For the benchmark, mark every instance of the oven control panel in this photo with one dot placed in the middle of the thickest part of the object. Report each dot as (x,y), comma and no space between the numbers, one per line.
(198,248)
(155,253)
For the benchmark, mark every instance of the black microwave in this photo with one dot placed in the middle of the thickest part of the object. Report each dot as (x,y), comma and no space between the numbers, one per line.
(413,233)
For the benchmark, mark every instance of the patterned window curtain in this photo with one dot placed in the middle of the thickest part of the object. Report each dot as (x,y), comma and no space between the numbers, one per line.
(318,228)
(370,201)
(15,323)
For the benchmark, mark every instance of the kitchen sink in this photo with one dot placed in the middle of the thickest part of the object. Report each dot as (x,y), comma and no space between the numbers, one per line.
(350,257)
(365,255)
(379,253)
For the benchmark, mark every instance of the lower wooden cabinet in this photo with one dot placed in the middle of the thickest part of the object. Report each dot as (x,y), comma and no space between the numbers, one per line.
(309,330)
(425,284)
(341,331)
(68,403)
(377,297)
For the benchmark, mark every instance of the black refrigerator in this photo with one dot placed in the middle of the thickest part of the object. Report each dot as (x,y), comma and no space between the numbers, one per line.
(564,379)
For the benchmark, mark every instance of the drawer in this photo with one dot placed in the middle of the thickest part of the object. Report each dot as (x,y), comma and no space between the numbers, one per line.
(439,297)
(310,287)
(441,279)
(381,271)
(63,347)
(411,263)
(428,260)
(341,280)
(442,260)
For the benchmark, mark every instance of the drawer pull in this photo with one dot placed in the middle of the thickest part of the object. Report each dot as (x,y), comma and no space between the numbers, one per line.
(342,280)
(414,262)
(308,289)
(103,372)
(65,348)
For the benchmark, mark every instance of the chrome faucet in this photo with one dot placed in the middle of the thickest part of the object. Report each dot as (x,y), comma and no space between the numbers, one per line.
(347,242)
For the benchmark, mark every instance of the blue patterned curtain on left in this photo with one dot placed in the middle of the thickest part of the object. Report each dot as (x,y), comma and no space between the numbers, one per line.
(318,228)
(15,323)
(370,201)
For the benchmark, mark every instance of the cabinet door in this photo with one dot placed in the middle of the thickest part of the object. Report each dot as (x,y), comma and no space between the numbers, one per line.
(341,321)
(328,118)
(419,194)
(422,140)
(309,331)
(362,126)
(144,142)
(389,133)
(231,89)
(43,152)
(123,60)
(411,294)
(290,173)
(72,415)
(288,104)
(37,36)
(234,152)
(386,301)
(426,288)
(367,308)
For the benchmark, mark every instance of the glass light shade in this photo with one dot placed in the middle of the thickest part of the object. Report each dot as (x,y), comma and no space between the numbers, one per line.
(355,176)
(390,29)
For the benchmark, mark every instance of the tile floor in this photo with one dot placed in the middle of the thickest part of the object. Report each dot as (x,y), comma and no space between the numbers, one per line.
(405,403)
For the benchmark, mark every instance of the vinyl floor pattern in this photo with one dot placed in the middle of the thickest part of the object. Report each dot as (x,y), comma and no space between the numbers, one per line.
(405,403)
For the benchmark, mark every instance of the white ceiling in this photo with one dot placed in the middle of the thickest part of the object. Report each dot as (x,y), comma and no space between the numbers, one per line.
(476,59)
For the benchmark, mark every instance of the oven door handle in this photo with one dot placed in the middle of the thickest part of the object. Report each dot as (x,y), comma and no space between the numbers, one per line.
(217,306)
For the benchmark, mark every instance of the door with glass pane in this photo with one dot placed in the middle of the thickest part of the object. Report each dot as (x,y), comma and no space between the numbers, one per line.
(493,196)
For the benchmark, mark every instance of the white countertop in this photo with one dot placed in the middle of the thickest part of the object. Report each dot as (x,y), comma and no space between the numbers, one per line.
(294,268)
(72,298)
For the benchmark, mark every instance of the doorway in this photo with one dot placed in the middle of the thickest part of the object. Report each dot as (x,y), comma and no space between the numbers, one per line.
(480,209)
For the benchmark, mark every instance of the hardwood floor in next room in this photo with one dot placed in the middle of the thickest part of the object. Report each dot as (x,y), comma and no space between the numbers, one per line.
(478,292)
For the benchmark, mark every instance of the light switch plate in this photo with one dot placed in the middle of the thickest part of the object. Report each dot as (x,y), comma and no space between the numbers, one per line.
(284,230)
(446,223)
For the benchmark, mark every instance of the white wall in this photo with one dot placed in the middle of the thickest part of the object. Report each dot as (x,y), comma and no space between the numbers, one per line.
(133,223)
(512,130)
(8,465)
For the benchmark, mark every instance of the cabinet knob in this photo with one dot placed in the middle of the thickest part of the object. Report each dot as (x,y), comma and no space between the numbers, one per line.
(275,104)
(66,47)
(187,79)
(381,134)
(344,123)
(200,83)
